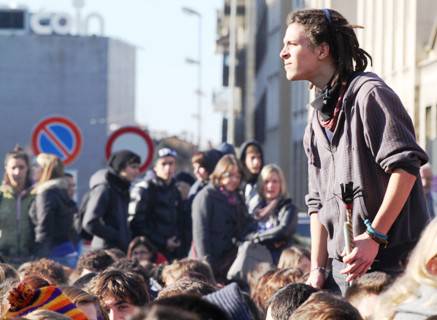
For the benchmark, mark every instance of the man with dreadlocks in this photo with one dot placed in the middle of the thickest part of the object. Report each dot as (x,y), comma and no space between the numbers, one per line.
(360,133)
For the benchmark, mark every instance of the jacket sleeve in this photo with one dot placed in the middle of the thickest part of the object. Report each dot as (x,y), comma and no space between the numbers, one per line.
(389,132)
(312,199)
(202,226)
(44,213)
(286,227)
(94,217)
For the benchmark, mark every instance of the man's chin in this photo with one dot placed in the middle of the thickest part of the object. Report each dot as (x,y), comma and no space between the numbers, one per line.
(291,76)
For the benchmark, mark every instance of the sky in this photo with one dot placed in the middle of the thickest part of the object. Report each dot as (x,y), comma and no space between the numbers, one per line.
(164,36)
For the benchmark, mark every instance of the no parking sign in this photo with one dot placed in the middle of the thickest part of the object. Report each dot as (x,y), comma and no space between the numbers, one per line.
(59,136)
(133,139)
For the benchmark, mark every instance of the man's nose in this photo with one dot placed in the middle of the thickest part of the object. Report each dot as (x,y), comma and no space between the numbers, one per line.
(283,53)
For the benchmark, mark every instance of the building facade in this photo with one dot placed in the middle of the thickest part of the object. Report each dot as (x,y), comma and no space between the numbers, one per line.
(88,79)
(399,34)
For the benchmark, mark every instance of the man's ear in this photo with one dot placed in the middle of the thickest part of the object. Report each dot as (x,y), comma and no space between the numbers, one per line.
(431,265)
(323,51)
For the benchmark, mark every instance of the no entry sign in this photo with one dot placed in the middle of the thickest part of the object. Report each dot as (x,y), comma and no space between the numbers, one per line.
(59,136)
(133,139)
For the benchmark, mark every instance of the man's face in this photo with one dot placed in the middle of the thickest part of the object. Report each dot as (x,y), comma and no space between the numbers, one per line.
(165,168)
(253,162)
(131,172)
(118,309)
(299,57)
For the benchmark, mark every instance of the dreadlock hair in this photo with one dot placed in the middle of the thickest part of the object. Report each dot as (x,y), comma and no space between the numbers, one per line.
(329,26)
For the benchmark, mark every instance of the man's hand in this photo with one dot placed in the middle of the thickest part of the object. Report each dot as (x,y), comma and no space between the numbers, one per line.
(173,243)
(361,257)
(316,279)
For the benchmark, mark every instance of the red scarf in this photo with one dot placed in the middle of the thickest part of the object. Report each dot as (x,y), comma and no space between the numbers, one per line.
(331,123)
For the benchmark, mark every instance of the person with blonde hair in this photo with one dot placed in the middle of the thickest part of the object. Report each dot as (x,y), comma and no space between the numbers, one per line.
(187,267)
(414,294)
(275,214)
(295,257)
(52,212)
(220,217)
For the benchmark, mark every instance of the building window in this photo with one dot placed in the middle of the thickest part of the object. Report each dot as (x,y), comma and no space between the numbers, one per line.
(261,34)
(260,119)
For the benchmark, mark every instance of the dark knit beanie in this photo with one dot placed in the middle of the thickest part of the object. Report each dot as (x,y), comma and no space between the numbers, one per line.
(185,177)
(210,159)
(120,159)
(231,300)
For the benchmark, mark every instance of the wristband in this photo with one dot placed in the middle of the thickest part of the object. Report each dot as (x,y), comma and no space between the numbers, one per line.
(321,269)
(373,232)
(379,241)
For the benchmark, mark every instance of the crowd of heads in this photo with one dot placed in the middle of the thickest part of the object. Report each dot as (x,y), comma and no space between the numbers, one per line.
(109,284)
(106,287)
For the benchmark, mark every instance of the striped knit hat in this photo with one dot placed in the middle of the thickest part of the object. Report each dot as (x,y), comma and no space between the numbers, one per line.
(23,299)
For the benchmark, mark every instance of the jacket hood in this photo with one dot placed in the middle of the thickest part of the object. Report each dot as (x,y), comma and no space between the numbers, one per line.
(245,145)
(108,175)
(250,178)
(98,177)
(60,183)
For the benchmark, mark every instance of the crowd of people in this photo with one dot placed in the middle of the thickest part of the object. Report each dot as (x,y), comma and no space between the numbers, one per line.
(144,248)
(221,243)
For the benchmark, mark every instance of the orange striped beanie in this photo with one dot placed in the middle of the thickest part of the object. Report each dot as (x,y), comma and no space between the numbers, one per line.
(23,299)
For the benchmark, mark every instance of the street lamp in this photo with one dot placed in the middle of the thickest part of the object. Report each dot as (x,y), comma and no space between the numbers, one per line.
(197,62)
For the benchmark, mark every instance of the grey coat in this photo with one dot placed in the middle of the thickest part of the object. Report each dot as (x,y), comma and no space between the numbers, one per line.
(284,217)
(217,225)
(374,135)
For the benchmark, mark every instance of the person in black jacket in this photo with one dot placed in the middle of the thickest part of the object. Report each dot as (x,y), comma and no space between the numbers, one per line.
(106,212)
(220,218)
(52,213)
(275,214)
(156,209)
